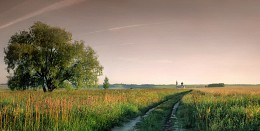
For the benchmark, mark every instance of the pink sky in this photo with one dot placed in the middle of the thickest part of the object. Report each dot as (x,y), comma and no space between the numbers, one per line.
(153,41)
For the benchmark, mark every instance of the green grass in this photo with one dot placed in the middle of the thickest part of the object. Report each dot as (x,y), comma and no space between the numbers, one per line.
(221,110)
(75,110)
(158,117)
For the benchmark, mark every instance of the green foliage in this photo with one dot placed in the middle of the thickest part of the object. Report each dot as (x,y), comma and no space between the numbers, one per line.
(216,85)
(46,56)
(106,83)
(67,85)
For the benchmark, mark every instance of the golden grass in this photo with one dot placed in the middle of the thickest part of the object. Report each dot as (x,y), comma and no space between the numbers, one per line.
(224,108)
(233,90)
(75,110)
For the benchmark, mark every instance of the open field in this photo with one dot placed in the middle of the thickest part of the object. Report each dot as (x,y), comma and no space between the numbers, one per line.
(161,117)
(75,110)
(228,108)
(233,108)
(233,90)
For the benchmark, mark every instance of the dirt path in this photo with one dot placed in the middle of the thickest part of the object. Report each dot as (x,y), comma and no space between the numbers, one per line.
(130,126)
(173,123)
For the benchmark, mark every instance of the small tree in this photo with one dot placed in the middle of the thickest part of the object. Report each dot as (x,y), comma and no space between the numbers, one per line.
(106,83)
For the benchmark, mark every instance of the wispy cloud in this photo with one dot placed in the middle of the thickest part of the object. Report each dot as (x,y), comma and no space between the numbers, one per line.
(118,28)
(124,27)
(116,45)
(97,31)
(55,6)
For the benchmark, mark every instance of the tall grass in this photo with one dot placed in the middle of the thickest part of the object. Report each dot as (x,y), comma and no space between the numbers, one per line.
(156,120)
(222,109)
(75,110)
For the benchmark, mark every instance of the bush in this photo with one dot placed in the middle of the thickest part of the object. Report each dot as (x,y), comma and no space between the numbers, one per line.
(216,85)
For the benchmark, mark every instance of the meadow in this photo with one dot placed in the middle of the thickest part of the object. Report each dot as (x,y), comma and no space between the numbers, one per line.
(229,108)
(76,110)
(226,108)
(158,119)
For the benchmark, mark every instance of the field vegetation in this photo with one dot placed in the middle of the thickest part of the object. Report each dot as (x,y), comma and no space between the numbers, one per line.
(156,120)
(76,110)
(221,109)
(228,108)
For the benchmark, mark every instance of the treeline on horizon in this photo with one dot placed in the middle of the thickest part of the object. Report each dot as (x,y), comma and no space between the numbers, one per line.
(121,85)
(129,86)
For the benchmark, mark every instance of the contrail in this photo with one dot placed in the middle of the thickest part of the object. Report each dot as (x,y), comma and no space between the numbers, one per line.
(124,27)
(127,27)
(55,6)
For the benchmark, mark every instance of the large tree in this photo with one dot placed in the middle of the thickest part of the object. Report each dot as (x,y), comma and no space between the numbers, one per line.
(46,56)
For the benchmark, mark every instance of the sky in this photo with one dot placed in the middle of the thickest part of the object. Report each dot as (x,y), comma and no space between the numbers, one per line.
(152,41)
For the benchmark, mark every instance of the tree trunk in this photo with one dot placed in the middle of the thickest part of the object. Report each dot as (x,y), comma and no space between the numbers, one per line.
(44,89)
(50,86)
(43,85)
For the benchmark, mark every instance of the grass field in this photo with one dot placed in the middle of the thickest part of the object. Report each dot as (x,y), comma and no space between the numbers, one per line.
(229,108)
(75,110)
(157,119)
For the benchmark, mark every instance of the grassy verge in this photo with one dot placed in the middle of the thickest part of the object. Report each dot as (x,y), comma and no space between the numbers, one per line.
(157,118)
(221,109)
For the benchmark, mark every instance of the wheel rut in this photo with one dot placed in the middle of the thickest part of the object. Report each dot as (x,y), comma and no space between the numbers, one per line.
(173,123)
(130,125)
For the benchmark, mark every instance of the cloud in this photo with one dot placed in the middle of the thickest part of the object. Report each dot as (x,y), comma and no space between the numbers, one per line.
(116,45)
(55,6)
(138,25)
(118,28)
(124,27)
(97,31)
